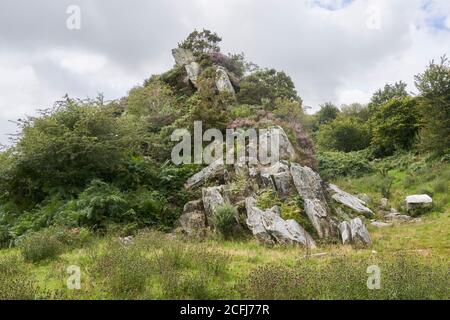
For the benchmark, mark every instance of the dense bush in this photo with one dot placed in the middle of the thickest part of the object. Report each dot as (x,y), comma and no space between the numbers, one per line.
(339,164)
(395,125)
(15,284)
(327,113)
(344,134)
(40,246)
(225,219)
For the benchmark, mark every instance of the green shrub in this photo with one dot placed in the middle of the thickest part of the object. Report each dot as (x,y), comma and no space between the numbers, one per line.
(39,246)
(340,164)
(225,219)
(15,284)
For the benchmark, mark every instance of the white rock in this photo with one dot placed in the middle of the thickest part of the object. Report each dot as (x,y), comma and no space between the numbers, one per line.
(182,56)
(193,71)
(213,170)
(380,224)
(276,133)
(359,232)
(223,82)
(418,202)
(345,232)
(349,200)
(212,198)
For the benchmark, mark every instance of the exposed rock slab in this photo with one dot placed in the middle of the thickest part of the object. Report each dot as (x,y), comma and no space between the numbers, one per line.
(276,133)
(212,198)
(193,223)
(268,226)
(348,200)
(193,71)
(345,232)
(309,186)
(415,204)
(215,169)
(182,56)
(359,232)
(223,82)
(380,224)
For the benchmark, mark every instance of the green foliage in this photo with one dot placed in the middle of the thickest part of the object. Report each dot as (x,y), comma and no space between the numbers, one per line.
(225,219)
(288,110)
(201,42)
(390,91)
(39,246)
(385,182)
(344,134)
(341,164)
(395,125)
(266,85)
(327,113)
(434,105)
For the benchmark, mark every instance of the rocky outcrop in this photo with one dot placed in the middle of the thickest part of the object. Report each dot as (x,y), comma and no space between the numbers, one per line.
(418,204)
(193,71)
(193,219)
(182,56)
(223,82)
(354,232)
(349,200)
(213,197)
(214,170)
(285,149)
(309,186)
(267,226)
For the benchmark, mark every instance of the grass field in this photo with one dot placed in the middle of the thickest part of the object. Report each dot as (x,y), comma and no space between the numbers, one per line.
(413,259)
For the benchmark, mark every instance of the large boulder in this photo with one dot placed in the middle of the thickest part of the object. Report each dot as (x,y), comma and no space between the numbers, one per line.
(417,204)
(268,226)
(213,197)
(285,148)
(193,71)
(309,186)
(193,219)
(348,200)
(223,82)
(278,177)
(354,232)
(214,170)
(182,56)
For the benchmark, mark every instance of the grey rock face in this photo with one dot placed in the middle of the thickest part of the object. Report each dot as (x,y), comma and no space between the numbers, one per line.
(359,232)
(276,133)
(215,169)
(193,223)
(191,206)
(223,82)
(193,71)
(212,198)
(380,224)
(268,226)
(349,200)
(354,232)
(345,232)
(309,186)
(384,203)
(284,183)
(182,56)
(417,203)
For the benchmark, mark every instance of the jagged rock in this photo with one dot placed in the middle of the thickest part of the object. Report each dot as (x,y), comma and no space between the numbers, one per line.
(285,148)
(268,226)
(345,232)
(215,169)
(354,232)
(193,223)
(359,232)
(213,197)
(417,204)
(284,183)
(193,71)
(349,200)
(182,56)
(384,203)
(191,206)
(395,216)
(309,186)
(278,177)
(380,224)
(223,82)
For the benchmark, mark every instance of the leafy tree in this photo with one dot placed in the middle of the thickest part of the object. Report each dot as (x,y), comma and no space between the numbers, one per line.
(201,42)
(434,102)
(381,96)
(328,112)
(356,110)
(395,124)
(288,110)
(344,134)
(267,85)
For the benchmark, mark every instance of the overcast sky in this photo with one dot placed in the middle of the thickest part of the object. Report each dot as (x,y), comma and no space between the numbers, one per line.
(335,50)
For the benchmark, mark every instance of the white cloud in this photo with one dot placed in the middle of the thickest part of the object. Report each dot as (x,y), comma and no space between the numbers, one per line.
(325,45)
